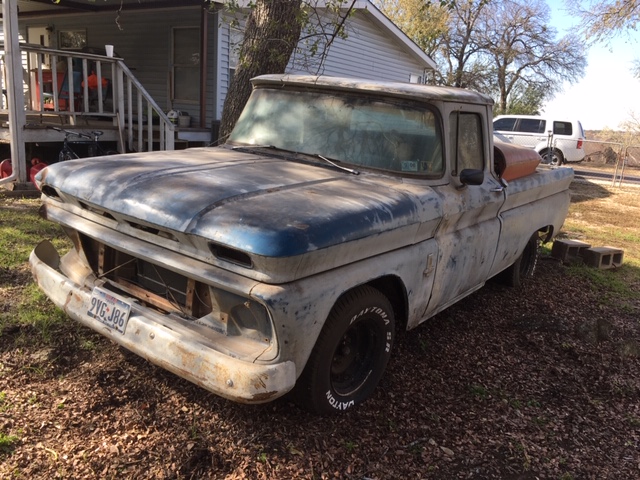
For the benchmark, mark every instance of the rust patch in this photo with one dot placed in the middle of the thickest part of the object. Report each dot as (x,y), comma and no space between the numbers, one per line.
(259,383)
(67,301)
(264,396)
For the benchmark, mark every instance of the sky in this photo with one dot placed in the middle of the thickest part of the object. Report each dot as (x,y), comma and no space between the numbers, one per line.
(608,92)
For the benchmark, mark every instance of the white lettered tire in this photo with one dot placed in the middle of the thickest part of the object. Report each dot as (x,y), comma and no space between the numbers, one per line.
(351,353)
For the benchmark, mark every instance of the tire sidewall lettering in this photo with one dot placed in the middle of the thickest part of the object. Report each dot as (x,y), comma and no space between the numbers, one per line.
(337,404)
(375,310)
(361,354)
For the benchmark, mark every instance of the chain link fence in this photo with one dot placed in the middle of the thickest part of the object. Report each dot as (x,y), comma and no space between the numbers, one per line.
(624,158)
(554,149)
(600,152)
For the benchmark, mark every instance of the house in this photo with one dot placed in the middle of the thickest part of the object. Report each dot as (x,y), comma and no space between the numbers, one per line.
(168,56)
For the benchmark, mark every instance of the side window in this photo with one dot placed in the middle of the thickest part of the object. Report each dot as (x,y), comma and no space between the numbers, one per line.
(531,125)
(467,149)
(562,128)
(504,124)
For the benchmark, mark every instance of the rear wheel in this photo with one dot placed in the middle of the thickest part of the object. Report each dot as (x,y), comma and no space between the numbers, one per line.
(351,353)
(552,157)
(524,266)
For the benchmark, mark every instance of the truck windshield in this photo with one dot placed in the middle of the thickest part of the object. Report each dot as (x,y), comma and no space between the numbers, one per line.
(357,130)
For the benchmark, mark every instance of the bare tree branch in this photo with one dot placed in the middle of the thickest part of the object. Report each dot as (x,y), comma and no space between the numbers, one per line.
(603,20)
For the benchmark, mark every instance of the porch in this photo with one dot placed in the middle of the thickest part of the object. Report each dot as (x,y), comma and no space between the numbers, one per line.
(84,92)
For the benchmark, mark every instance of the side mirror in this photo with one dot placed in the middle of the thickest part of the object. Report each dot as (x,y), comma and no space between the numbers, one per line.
(471,176)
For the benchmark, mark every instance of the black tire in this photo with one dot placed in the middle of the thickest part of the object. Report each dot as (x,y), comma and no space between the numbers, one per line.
(555,158)
(524,266)
(351,353)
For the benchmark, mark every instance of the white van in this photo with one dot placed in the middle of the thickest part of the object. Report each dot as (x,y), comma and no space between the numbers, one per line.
(567,136)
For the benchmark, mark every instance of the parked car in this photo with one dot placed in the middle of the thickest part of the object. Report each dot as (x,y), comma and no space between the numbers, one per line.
(557,141)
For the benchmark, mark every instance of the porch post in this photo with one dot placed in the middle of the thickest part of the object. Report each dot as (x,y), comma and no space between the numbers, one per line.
(15,95)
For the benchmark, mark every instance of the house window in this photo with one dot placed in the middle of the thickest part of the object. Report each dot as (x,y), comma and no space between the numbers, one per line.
(235,42)
(185,69)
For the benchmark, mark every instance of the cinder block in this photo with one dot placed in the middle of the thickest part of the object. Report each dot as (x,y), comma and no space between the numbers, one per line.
(603,257)
(568,250)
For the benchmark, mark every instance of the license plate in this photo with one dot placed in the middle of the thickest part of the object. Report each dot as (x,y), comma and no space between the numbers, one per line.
(109,309)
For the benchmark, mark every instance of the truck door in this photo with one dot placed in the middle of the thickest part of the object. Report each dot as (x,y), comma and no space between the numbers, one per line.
(468,234)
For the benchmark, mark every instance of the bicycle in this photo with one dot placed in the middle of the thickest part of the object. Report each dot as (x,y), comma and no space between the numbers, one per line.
(94,149)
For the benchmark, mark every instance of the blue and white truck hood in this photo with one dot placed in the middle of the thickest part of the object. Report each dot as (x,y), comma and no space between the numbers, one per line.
(275,210)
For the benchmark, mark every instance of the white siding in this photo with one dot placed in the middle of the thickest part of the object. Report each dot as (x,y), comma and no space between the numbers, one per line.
(367,52)
(225,46)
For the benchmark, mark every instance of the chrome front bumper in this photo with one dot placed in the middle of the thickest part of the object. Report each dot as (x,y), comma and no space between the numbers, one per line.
(171,346)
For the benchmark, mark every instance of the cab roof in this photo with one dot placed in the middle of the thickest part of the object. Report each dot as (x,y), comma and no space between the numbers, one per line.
(396,89)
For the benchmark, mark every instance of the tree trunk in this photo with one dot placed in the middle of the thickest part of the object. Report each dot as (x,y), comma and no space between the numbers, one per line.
(271,34)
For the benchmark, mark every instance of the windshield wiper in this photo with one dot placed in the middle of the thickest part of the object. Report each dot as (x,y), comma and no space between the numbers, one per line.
(315,155)
(249,147)
(331,162)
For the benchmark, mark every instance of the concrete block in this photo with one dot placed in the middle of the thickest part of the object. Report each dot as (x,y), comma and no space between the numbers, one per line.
(568,250)
(603,257)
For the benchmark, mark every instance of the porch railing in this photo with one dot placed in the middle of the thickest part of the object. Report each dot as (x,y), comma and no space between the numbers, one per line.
(76,85)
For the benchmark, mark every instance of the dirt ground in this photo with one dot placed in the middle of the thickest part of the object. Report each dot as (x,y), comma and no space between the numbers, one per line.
(513,384)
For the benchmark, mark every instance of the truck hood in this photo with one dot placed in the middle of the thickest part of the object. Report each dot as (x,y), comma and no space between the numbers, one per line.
(261,204)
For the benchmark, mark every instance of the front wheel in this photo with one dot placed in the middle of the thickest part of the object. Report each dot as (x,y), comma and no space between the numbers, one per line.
(351,353)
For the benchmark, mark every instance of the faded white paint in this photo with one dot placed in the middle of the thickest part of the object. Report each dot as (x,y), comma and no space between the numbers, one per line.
(444,242)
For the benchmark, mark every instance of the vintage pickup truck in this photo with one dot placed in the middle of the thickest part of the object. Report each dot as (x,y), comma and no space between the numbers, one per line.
(337,211)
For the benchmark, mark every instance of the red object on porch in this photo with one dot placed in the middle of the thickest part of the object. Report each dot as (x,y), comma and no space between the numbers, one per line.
(5,168)
(92,81)
(63,90)
(36,166)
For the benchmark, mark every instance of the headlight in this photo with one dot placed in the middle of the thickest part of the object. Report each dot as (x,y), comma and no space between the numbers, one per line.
(234,316)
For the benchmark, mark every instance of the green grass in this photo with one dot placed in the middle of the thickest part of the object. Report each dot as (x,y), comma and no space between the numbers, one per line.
(35,310)
(4,404)
(615,286)
(601,215)
(351,446)
(21,229)
(7,443)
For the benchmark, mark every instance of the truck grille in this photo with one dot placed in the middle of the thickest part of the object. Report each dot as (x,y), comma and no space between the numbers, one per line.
(150,283)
